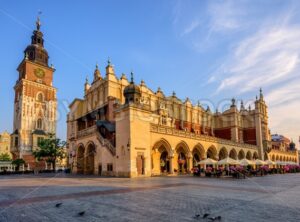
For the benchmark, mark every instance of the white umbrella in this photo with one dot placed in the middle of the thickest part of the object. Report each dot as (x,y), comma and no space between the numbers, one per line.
(280,163)
(208,161)
(270,162)
(259,162)
(246,162)
(228,161)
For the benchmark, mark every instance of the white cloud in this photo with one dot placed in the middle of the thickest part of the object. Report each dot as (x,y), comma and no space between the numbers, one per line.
(191,27)
(264,59)
(224,15)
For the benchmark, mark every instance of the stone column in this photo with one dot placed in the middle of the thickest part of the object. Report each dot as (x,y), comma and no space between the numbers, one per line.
(171,162)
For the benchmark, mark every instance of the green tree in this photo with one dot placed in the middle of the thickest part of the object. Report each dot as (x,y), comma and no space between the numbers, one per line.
(50,149)
(18,163)
(5,157)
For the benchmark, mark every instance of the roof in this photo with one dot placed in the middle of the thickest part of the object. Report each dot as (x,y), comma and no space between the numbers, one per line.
(39,132)
(108,125)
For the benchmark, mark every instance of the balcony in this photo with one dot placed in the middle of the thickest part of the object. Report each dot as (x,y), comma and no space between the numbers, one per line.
(86,132)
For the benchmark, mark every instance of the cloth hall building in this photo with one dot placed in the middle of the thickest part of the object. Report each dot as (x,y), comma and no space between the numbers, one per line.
(125,129)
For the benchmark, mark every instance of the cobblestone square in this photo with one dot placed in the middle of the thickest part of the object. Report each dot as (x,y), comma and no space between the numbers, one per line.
(34,198)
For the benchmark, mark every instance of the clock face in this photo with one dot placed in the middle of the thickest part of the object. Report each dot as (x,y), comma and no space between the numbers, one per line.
(39,73)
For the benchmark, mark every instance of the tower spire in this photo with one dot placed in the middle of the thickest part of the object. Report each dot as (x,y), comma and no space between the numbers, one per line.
(131,77)
(38,21)
(261,96)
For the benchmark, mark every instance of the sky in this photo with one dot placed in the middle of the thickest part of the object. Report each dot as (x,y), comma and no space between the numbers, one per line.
(210,51)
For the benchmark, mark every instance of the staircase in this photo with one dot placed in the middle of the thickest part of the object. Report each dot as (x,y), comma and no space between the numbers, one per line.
(106,143)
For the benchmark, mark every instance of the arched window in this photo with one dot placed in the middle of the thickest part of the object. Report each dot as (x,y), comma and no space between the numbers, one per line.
(40,97)
(39,124)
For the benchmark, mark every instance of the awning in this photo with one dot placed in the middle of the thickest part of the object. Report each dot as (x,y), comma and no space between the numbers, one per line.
(107,125)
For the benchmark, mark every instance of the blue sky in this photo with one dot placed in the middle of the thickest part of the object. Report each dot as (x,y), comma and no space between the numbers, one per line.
(205,50)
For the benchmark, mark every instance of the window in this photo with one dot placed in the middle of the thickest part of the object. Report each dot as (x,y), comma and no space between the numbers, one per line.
(39,124)
(40,97)
(109,167)
(16,141)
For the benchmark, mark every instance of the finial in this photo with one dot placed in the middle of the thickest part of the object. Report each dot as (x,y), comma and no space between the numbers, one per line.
(233,102)
(26,56)
(131,77)
(173,93)
(199,104)
(108,61)
(242,105)
(52,66)
(256,98)
(86,80)
(249,107)
(261,96)
(38,22)
(96,65)
(142,82)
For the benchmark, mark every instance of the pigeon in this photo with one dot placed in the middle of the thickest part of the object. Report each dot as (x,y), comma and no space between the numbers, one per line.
(58,205)
(81,213)
(215,218)
(205,216)
(197,216)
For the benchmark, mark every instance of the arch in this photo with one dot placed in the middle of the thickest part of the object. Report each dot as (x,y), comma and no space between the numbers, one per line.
(241,155)
(182,151)
(160,157)
(162,143)
(223,153)
(273,158)
(284,158)
(90,158)
(248,156)
(183,147)
(280,158)
(277,157)
(198,154)
(255,156)
(233,154)
(80,159)
(212,152)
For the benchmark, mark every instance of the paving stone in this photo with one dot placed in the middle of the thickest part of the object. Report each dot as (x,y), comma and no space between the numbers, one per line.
(33,198)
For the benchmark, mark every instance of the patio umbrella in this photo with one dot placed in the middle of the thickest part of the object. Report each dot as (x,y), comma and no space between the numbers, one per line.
(259,162)
(270,162)
(228,161)
(246,162)
(280,163)
(208,161)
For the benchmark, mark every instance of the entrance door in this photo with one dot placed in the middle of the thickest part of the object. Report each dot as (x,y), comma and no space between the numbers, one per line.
(140,164)
(100,169)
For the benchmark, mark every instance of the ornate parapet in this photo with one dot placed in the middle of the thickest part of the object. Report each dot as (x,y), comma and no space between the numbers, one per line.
(291,152)
(87,132)
(181,133)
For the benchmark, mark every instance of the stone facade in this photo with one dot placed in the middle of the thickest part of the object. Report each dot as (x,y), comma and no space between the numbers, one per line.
(35,101)
(123,129)
(283,149)
(5,143)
